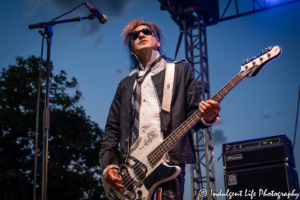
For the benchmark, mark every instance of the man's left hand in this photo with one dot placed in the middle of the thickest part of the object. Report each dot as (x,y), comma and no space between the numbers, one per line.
(209,109)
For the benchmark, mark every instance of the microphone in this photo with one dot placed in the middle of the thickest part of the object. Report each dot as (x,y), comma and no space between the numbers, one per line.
(102,18)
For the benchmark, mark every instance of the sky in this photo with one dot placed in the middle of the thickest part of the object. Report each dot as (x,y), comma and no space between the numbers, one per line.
(95,55)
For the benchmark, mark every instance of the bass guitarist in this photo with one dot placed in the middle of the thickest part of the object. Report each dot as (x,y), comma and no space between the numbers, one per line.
(137,106)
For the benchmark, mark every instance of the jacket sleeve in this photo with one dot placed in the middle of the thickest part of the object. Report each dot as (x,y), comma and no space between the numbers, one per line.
(111,139)
(192,96)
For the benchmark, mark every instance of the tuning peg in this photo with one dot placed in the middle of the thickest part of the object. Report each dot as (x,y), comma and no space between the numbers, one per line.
(269,48)
(247,60)
(253,56)
(261,52)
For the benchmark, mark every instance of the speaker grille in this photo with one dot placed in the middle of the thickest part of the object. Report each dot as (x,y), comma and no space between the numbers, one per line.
(269,178)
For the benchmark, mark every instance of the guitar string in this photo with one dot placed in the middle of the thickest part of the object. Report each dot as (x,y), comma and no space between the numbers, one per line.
(183,127)
(148,164)
(153,150)
(212,98)
(138,172)
(155,157)
(234,80)
(238,76)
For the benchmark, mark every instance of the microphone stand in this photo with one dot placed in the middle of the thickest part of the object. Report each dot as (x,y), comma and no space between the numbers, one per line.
(46,115)
(52,23)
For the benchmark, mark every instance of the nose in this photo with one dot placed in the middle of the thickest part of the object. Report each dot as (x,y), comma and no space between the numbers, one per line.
(141,35)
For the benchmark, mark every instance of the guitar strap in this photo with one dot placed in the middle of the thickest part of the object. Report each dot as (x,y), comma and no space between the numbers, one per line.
(165,114)
(168,87)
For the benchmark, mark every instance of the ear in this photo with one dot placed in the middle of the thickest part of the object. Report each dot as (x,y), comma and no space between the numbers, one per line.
(131,51)
(158,43)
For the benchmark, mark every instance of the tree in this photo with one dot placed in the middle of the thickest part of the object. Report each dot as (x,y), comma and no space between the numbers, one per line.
(74,141)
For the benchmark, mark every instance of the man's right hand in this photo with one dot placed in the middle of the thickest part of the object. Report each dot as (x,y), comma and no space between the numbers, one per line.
(113,179)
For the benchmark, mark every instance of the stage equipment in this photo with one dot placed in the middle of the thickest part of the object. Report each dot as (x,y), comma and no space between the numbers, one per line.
(258,151)
(48,32)
(262,182)
(260,168)
(101,17)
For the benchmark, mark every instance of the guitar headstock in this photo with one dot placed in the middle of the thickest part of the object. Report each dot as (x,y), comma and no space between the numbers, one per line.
(251,68)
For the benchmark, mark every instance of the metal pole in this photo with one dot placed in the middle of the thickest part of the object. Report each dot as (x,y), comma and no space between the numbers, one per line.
(46,120)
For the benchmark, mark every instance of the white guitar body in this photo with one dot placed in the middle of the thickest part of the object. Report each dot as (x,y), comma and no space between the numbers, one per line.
(140,177)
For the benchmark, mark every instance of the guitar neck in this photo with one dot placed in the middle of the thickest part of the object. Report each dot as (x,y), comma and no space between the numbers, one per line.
(176,135)
(228,87)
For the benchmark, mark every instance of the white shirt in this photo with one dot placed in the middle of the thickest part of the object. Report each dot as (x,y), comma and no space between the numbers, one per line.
(150,106)
(149,114)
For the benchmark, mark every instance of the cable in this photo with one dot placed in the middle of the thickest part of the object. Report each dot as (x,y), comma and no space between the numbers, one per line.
(296,120)
(67,12)
(37,119)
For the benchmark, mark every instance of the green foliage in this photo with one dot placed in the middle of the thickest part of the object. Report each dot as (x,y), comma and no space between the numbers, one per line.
(74,141)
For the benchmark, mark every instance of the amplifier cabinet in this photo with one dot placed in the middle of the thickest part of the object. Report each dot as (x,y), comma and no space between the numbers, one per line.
(259,151)
(264,182)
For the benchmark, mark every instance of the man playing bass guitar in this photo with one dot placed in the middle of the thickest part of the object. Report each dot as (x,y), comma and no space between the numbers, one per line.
(137,106)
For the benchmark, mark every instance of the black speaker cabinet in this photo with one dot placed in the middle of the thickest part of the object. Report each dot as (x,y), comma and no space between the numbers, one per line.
(263,182)
(258,151)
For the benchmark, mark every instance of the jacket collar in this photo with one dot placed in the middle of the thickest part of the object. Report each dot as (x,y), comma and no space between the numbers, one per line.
(140,69)
(129,90)
(156,78)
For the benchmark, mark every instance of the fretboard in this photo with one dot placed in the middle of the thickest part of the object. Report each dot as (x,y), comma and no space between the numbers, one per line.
(176,135)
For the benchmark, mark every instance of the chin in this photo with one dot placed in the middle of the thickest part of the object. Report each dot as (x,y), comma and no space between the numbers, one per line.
(144,50)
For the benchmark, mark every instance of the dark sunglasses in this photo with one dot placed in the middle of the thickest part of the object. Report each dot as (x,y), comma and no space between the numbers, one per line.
(135,34)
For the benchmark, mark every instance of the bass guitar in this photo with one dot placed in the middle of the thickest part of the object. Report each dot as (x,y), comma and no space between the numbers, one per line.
(146,166)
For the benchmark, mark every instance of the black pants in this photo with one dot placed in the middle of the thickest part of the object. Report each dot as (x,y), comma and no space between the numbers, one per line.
(173,189)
